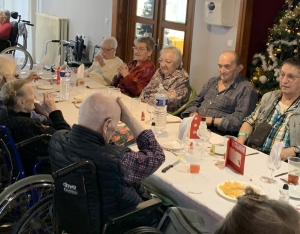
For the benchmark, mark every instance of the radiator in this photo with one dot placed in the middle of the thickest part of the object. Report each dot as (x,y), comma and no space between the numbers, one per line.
(49,27)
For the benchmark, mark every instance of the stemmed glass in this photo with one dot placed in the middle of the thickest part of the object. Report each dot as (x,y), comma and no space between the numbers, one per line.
(204,136)
(182,139)
(272,164)
(150,109)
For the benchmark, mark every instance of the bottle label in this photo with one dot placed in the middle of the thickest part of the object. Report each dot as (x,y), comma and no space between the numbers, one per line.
(161,102)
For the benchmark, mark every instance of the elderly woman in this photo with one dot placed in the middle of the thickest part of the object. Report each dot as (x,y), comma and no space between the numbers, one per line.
(174,79)
(5,25)
(134,77)
(18,98)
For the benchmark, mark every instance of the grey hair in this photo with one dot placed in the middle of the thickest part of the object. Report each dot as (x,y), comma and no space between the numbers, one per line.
(149,41)
(175,50)
(236,55)
(5,62)
(6,14)
(113,42)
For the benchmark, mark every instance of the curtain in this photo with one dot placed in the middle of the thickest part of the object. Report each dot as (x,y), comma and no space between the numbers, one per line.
(27,10)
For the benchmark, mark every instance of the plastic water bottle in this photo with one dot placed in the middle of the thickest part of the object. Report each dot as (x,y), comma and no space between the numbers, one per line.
(65,81)
(284,193)
(160,111)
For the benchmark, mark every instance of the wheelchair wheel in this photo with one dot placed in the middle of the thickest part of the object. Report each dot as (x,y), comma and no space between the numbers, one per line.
(39,219)
(19,197)
(22,58)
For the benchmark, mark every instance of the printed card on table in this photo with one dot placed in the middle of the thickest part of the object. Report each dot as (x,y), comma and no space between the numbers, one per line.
(235,155)
(194,127)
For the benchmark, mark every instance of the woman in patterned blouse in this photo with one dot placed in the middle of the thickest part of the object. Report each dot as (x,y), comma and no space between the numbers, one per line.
(172,76)
(135,76)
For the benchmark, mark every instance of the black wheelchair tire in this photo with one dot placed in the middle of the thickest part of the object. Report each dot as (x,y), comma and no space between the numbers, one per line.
(28,58)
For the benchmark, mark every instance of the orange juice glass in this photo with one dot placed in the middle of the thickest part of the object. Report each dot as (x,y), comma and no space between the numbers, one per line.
(194,168)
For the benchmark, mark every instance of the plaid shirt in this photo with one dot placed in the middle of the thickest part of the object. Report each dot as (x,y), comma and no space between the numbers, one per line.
(280,129)
(232,104)
(136,166)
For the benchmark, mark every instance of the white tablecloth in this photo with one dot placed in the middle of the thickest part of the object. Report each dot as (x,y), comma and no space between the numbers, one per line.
(193,191)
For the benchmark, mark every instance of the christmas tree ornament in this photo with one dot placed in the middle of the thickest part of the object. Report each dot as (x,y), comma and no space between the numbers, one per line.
(255,78)
(263,79)
(296,50)
(278,50)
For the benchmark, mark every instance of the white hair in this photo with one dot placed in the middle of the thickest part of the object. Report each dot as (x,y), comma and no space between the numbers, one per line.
(6,14)
(113,42)
(5,62)
(175,50)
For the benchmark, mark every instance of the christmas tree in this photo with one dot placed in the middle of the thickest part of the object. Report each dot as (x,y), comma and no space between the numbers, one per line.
(144,29)
(283,43)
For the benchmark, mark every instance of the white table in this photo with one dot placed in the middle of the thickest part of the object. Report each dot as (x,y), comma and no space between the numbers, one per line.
(193,191)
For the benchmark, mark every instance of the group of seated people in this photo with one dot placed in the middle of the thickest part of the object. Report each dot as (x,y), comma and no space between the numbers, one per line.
(227,101)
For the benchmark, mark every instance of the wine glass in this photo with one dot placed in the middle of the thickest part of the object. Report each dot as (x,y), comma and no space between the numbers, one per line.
(182,139)
(204,136)
(272,164)
(150,109)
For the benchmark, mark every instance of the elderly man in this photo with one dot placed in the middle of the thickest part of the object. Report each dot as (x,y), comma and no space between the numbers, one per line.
(120,169)
(225,100)
(5,25)
(280,109)
(172,76)
(106,64)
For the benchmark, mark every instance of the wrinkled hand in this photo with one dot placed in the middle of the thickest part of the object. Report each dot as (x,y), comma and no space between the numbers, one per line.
(123,70)
(49,103)
(100,60)
(126,116)
(286,153)
(40,110)
(75,70)
(194,114)
(32,77)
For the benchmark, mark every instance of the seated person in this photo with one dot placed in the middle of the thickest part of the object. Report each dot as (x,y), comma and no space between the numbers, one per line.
(106,64)
(224,100)
(281,109)
(257,214)
(18,98)
(120,169)
(5,25)
(135,76)
(174,79)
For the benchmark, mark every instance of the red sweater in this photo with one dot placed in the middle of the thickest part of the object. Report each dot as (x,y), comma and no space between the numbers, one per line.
(5,30)
(138,78)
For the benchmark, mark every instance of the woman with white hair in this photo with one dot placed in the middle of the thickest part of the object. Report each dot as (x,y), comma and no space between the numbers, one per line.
(5,25)
(18,103)
(172,76)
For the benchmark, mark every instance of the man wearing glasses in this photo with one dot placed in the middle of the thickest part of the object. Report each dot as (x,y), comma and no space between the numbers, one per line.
(225,100)
(281,110)
(106,63)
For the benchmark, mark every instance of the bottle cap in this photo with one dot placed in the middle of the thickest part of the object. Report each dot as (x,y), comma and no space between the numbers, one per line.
(203,119)
(285,187)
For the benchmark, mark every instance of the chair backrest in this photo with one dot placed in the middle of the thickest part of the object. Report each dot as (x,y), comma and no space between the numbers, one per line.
(76,197)
(182,108)
(14,34)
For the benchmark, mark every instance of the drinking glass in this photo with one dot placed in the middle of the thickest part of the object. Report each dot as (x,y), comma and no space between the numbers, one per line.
(135,105)
(182,139)
(150,109)
(293,170)
(204,137)
(273,164)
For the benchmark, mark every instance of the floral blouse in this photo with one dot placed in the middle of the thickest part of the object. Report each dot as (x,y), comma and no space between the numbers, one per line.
(177,85)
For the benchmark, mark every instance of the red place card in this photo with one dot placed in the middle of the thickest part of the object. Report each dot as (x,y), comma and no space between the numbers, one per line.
(235,155)
(194,127)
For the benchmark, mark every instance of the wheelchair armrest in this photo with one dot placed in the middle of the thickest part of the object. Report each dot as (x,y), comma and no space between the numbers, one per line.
(32,139)
(131,212)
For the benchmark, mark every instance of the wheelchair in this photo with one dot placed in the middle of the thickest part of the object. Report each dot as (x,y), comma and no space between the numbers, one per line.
(21,55)
(74,207)
(18,193)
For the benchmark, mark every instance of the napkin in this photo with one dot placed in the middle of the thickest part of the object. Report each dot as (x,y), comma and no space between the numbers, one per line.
(42,64)
(184,128)
(274,157)
(57,61)
(80,71)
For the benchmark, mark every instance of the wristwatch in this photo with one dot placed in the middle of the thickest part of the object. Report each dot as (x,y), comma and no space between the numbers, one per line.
(297,151)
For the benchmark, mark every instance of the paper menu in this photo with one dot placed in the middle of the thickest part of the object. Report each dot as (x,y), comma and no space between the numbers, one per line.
(235,155)
(195,126)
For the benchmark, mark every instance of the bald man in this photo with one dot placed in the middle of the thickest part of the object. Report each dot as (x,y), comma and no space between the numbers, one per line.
(224,100)
(120,169)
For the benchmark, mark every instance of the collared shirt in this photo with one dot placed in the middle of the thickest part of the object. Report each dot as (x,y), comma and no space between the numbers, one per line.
(136,166)
(232,104)
(280,128)
(176,84)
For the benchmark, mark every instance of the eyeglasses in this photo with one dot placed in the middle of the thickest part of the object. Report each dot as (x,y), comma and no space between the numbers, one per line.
(167,62)
(289,77)
(106,50)
(141,49)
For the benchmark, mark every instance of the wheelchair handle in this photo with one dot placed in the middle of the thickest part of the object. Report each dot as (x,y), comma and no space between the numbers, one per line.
(30,24)
(25,21)
(32,139)
(74,166)
(55,40)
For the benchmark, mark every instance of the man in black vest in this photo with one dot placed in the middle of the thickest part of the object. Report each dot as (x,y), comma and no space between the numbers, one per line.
(120,169)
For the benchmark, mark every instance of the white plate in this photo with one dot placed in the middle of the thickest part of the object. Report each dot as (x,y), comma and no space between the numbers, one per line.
(294,191)
(48,76)
(172,145)
(255,187)
(45,87)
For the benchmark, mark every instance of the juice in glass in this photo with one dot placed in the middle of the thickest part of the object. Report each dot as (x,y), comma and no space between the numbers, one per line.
(194,168)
